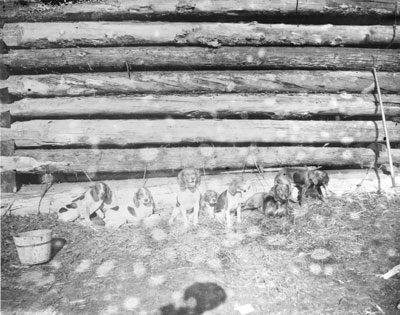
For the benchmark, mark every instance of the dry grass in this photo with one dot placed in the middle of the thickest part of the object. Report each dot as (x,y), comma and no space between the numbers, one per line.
(264,262)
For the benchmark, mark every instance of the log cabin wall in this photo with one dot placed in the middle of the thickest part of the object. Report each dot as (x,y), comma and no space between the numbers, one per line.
(117,88)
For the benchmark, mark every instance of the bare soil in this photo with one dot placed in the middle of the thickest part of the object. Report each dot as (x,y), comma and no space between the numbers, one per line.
(263,265)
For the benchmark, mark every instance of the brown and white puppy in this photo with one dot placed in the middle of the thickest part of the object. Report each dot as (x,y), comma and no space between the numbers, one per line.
(143,206)
(143,202)
(93,200)
(208,201)
(230,201)
(188,197)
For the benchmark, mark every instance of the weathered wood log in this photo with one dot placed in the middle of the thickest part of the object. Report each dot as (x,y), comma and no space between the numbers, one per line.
(100,133)
(164,189)
(277,106)
(8,182)
(316,11)
(5,119)
(3,47)
(206,157)
(4,96)
(81,34)
(87,84)
(199,58)
(4,72)
(7,147)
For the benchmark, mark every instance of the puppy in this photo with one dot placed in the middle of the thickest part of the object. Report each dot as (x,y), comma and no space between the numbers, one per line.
(270,206)
(281,194)
(93,200)
(319,178)
(143,206)
(304,179)
(188,198)
(208,201)
(296,176)
(255,202)
(231,200)
(144,203)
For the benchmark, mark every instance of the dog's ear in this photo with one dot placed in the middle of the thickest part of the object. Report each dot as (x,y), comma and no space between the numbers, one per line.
(153,204)
(151,198)
(233,185)
(198,176)
(136,199)
(95,192)
(275,192)
(181,180)
(132,211)
(324,178)
(314,177)
(206,196)
(107,197)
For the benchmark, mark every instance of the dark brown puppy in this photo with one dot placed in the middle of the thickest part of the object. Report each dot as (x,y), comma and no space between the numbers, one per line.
(303,179)
(281,193)
(319,178)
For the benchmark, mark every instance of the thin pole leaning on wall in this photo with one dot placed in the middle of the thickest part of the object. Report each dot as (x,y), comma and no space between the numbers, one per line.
(385,128)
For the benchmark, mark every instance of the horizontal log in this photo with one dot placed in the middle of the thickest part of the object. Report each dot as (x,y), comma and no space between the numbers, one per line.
(277,106)
(87,84)
(86,34)
(164,189)
(129,161)
(199,58)
(100,133)
(316,11)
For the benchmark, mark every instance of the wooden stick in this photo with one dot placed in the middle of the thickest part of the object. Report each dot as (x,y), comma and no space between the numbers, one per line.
(385,128)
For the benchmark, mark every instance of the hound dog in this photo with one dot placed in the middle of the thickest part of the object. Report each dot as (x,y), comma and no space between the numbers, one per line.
(231,201)
(255,202)
(281,194)
(304,179)
(93,200)
(143,206)
(319,178)
(207,203)
(188,197)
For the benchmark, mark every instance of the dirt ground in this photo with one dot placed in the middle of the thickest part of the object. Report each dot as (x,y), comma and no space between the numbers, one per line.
(262,266)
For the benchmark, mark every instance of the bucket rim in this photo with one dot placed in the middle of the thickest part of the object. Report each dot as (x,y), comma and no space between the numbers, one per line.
(31,233)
